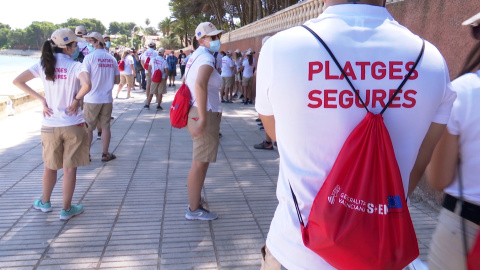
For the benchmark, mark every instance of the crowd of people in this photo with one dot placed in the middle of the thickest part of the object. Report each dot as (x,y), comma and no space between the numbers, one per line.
(311,125)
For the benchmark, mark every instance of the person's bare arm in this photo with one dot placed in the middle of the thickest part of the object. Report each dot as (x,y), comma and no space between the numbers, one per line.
(269,125)
(201,93)
(86,85)
(21,82)
(117,79)
(442,167)
(433,135)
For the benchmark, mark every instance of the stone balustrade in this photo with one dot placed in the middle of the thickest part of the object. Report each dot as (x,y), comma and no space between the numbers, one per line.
(292,16)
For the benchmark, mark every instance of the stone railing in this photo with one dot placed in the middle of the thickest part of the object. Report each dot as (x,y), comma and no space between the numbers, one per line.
(289,17)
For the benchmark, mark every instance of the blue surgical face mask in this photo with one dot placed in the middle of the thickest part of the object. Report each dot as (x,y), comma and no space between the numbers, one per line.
(90,47)
(75,53)
(107,44)
(214,46)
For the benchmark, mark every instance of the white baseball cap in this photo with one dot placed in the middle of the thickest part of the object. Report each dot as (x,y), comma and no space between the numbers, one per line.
(206,29)
(80,30)
(473,21)
(151,43)
(96,36)
(61,37)
(237,50)
(161,50)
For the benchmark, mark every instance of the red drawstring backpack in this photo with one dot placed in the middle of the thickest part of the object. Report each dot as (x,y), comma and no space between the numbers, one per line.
(181,104)
(359,218)
(157,74)
(473,258)
(147,62)
(121,65)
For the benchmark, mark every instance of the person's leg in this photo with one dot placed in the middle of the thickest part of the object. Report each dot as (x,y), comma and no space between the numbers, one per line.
(68,186)
(245,99)
(149,100)
(149,83)
(120,86)
(159,99)
(222,93)
(129,88)
(48,182)
(195,181)
(106,137)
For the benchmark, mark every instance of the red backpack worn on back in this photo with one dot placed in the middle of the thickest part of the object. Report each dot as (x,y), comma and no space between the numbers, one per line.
(121,65)
(147,62)
(181,104)
(359,218)
(157,74)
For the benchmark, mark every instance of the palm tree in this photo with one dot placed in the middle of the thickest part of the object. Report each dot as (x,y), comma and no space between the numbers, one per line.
(165,26)
(147,22)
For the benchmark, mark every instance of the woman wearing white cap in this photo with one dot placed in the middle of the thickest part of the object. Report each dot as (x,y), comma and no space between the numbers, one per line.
(205,114)
(64,138)
(455,169)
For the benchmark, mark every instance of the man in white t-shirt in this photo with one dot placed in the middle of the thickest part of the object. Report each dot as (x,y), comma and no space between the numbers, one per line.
(308,108)
(148,54)
(80,32)
(227,77)
(158,88)
(98,102)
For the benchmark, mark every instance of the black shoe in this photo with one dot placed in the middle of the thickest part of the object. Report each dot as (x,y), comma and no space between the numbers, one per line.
(146,107)
(262,128)
(220,135)
(173,85)
(264,145)
(223,101)
(99,135)
(250,102)
(260,125)
(258,120)
(159,108)
(169,85)
(241,96)
(235,96)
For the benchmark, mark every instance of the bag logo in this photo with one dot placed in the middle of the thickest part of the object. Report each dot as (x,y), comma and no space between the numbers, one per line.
(331,199)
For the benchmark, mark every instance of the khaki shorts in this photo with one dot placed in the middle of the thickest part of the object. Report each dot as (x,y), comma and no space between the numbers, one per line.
(65,147)
(97,114)
(247,81)
(227,81)
(205,147)
(149,81)
(126,79)
(160,88)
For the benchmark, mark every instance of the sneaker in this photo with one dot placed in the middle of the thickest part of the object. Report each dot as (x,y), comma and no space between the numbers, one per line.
(223,101)
(159,108)
(74,211)
(220,135)
(264,145)
(258,120)
(169,85)
(235,96)
(200,214)
(260,125)
(262,128)
(241,96)
(99,135)
(250,102)
(44,207)
(146,107)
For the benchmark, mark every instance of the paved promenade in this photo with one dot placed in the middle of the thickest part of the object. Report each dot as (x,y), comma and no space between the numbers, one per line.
(135,205)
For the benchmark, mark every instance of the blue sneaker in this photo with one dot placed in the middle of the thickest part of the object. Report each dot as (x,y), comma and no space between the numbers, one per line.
(44,207)
(74,211)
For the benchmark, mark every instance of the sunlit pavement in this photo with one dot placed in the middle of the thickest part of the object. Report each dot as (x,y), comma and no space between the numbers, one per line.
(135,205)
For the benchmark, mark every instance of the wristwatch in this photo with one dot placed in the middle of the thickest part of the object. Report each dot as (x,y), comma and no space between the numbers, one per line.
(75,98)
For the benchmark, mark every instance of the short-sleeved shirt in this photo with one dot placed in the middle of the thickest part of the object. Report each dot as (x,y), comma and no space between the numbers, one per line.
(128,65)
(315,110)
(172,62)
(181,59)
(102,68)
(159,63)
(82,46)
(227,64)
(148,53)
(247,68)
(465,122)
(201,57)
(60,93)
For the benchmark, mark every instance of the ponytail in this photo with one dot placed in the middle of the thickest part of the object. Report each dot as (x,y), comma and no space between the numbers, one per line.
(473,61)
(48,60)
(250,59)
(195,43)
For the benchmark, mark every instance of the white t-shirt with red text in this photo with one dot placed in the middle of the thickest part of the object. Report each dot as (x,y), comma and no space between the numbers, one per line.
(465,122)
(102,68)
(60,93)
(148,53)
(159,63)
(247,68)
(315,110)
(199,58)
(227,64)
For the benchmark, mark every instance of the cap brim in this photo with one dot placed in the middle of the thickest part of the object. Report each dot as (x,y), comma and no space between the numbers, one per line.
(473,21)
(79,39)
(214,33)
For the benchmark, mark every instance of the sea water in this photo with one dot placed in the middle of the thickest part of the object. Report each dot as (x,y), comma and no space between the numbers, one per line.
(14,63)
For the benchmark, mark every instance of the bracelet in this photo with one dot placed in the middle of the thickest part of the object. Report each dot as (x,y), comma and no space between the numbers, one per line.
(75,98)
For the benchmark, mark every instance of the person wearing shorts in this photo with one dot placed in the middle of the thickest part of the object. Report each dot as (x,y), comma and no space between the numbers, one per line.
(98,102)
(148,55)
(247,68)
(172,61)
(204,116)
(128,73)
(64,139)
(158,89)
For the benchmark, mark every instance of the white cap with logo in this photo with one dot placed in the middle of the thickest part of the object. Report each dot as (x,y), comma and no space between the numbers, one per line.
(61,37)
(206,29)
